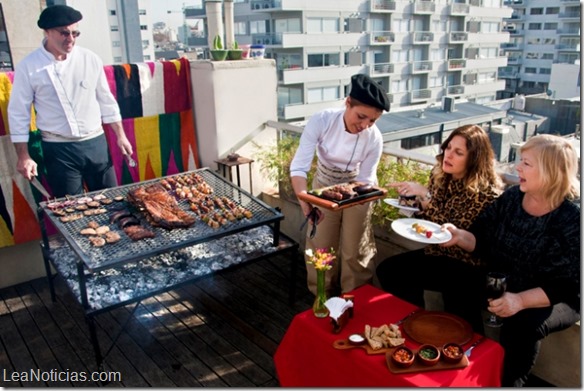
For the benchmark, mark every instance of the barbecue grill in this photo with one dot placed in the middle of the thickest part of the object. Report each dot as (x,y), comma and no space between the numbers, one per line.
(117,274)
(127,250)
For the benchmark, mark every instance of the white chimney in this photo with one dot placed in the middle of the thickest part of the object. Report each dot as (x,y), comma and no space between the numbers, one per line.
(229,24)
(214,20)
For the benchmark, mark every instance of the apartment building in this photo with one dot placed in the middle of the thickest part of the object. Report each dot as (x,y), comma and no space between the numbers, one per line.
(542,33)
(119,31)
(421,51)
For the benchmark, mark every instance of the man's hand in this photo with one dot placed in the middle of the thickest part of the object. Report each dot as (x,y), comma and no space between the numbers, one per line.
(25,165)
(123,142)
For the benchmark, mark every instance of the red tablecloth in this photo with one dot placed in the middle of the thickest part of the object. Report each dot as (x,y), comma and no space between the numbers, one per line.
(306,356)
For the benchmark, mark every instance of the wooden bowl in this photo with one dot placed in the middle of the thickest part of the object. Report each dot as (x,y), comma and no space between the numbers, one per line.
(428,355)
(452,352)
(403,357)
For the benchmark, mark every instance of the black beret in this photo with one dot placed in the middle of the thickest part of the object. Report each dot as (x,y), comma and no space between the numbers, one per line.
(369,92)
(57,16)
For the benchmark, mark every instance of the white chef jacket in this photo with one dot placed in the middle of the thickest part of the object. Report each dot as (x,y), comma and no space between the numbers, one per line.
(71,97)
(336,148)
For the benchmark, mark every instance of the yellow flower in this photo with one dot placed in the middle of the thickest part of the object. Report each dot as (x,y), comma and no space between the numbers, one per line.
(321,258)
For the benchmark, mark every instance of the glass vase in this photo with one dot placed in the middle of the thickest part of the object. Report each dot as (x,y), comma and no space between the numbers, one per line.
(319,307)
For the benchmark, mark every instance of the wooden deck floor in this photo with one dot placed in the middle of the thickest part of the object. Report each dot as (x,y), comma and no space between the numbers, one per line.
(220,331)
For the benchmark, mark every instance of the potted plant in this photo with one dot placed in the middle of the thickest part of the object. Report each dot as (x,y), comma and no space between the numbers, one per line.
(218,53)
(235,53)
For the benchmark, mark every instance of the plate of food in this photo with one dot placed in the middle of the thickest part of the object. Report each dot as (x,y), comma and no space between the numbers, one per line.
(422,231)
(396,203)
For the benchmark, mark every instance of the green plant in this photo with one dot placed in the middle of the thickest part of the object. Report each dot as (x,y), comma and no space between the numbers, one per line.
(217,43)
(275,163)
(235,45)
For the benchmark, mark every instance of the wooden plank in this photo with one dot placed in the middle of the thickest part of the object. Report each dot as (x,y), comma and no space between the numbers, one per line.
(164,358)
(43,358)
(206,331)
(198,369)
(52,334)
(199,347)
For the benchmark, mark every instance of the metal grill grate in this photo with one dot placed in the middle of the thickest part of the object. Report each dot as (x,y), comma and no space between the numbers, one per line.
(126,250)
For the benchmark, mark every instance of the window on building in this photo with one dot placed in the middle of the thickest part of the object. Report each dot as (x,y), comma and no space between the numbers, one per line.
(489,52)
(421,141)
(143,27)
(398,86)
(549,41)
(489,27)
(289,96)
(141,12)
(437,54)
(323,60)
(118,59)
(536,11)
(550,26)
(552,10)
(547,56)
(114,28)
(239,28)
(530,70)
(291,25)
(534,26)
(323,94)
(257,26)
(5,52)
(398,56)
(545,71)
(112,12)
(534,41)
(434,81)
(323,25)
(147,57)
(400,25)
(487,77)
(145,42)
(116,44)
(492,3)
(531,55)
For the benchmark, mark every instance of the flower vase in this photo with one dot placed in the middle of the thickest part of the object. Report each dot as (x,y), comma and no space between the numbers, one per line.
(319,307)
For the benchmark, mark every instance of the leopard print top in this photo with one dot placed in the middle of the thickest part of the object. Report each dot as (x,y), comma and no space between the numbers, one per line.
(454,203)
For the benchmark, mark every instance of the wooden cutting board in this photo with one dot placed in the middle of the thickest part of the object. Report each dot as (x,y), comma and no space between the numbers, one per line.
(338,205)
(345,344)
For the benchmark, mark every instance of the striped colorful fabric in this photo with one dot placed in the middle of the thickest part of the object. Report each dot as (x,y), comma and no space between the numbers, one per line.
(156,104)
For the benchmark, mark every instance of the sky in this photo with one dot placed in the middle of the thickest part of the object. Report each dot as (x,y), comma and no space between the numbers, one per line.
(175,18)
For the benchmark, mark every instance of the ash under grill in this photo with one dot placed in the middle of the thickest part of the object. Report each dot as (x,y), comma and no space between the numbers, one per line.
(126,250)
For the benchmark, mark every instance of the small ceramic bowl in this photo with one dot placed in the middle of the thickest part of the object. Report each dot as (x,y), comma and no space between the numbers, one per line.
(403,357)
(428,355)
(356,339)
(452,352)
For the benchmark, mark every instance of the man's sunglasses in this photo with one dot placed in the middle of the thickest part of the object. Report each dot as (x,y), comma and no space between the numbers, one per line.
(66,34)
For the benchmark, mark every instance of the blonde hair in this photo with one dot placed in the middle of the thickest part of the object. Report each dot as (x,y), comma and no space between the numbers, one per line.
(480,172)
(557,161)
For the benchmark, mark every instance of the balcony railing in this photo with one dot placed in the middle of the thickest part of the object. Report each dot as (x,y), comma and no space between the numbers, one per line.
(265,4)
(456,64)
(459,9)
(381,37)
(421,66)
(423,37)
(382,5)
(420,95)
(267,38)
(381,68)
(424,7)
(458,37)
(455,90)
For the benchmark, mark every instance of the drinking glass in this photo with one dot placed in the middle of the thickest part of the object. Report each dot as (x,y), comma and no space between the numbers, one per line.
(496,286)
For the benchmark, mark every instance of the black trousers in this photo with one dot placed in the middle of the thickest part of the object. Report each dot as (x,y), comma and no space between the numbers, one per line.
(71,164)
(521,336)
(407,275)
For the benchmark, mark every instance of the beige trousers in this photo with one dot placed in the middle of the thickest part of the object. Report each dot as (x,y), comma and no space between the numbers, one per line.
(350,233)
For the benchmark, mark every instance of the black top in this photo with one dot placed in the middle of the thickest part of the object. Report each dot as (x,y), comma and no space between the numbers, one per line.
(535,251)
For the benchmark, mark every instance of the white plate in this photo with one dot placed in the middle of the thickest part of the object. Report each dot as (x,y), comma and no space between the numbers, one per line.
(403,227)
(395,203)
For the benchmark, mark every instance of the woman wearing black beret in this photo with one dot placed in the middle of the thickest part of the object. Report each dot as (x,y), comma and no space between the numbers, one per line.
(348,147)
